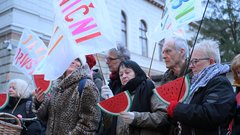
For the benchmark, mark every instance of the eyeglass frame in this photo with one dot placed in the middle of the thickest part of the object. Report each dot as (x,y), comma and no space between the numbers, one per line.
(111,59)
(195,61)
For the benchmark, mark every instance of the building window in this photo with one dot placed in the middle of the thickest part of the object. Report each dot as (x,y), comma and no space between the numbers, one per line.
(143,38)
(124,29)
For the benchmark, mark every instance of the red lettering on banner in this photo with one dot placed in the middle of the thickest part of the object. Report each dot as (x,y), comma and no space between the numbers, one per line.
(88,37)
(31,63)
(82,26)
(17,56)
(63,2)
(79,26)
(86,10)
(69,6)
(24,61)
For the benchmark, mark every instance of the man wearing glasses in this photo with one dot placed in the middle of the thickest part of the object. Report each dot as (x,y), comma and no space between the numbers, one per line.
(113,59)
(209,107)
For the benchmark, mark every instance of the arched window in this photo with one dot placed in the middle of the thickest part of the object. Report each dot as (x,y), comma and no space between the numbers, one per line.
(124,29)
(143,38)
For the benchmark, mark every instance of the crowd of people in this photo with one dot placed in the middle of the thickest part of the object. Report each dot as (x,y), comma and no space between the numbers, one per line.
(211,108)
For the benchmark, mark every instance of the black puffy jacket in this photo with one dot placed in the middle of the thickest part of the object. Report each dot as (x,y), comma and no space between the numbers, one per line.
(210,110)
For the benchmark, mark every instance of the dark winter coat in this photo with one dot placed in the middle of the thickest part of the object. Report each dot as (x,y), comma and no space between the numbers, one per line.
(236,122)
(33,127)
(149,112)
(69,112)
(114,83)
(210,110)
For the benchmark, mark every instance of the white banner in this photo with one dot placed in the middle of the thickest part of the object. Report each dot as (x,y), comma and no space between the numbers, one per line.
(59,56)
(31,50)
(82,27)
(86,24)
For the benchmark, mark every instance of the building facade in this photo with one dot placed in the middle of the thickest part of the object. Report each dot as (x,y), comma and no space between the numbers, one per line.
(132,21)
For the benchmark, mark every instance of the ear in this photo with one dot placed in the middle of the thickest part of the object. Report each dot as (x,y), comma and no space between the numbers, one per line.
(182,51)
(212,61)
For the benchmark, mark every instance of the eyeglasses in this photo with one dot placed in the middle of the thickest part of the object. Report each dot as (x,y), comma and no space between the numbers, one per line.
(111,59)
(195,61)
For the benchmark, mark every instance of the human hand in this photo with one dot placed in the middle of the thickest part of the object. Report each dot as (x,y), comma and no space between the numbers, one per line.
(171,108)
(39,94)
(127,117)
(106,92)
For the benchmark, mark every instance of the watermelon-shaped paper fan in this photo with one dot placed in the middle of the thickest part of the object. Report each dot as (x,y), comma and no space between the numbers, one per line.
(4,98)
(170,91)
(39,81)
(115,105)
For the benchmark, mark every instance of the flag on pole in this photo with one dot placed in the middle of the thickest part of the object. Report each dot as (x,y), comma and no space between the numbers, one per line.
(30,51)
(82,27)
(176,14)
(59,56)
(86,23)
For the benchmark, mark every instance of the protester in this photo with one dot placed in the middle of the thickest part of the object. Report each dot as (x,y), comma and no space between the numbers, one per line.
(209,108)
(20,90)
(174,52)
(235,66)
(147,113)
(66,110)
(114,58)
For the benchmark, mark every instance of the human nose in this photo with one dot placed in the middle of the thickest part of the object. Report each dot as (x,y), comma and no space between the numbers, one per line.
(191,65)
(164,55)
(10,88)
(124,75)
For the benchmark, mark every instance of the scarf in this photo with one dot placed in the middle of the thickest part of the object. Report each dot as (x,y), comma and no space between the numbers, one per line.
(141,88)
(202,78)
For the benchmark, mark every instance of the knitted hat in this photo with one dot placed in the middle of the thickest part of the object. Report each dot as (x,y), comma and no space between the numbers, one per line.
(91,61)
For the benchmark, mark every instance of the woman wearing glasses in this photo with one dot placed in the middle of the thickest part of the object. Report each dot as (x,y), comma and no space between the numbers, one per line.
(209,107)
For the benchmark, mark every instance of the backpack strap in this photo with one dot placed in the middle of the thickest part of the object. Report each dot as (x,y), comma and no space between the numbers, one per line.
(81,85)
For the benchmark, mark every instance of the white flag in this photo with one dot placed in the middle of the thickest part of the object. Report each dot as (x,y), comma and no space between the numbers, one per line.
(87,25)
(31,50)
(83,27)
(177,13)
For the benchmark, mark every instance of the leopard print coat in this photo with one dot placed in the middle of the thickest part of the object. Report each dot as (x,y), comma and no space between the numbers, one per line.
(68,113)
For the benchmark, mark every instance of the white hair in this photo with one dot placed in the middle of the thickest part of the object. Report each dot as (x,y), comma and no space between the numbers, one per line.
(22,88)
(210,48)
(179,44)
